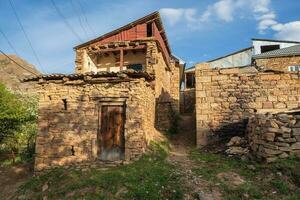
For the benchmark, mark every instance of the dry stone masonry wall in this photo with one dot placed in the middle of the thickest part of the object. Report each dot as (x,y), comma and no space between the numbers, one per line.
(279,63)
(273,136)
(226,98)
(69,118)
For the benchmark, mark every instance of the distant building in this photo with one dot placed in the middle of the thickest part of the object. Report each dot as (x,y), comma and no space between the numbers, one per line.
(266,53)
(245,56)
(285,59)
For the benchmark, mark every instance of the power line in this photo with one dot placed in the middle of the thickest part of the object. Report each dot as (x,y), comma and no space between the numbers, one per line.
(86,20)
(9,43)
(79,18)
(18,63)
(26,36)
(65,21)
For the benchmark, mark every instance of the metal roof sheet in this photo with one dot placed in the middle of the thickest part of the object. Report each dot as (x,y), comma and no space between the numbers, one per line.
(289,51)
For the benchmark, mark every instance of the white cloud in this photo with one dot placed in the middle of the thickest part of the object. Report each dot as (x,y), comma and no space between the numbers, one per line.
(175,15)
(172,15)
(229,10)
(224,10)
(288,31)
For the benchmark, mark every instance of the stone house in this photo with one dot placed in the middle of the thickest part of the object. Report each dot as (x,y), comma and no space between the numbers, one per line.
(125,89)
(285,59)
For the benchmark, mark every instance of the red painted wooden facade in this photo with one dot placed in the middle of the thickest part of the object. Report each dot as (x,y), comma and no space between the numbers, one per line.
(135,31)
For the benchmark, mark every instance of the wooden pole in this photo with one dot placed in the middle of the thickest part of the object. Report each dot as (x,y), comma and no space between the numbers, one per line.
(121,59)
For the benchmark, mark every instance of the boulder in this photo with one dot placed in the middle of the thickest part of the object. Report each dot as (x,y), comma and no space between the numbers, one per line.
(232,179)
(235,141)
(234,150)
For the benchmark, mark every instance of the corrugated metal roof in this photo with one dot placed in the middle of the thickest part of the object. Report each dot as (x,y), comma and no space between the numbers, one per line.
(272,40)
(230,54)
(289,51)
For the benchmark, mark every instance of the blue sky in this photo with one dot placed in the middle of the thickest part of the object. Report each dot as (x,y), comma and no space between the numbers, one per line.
(198,30)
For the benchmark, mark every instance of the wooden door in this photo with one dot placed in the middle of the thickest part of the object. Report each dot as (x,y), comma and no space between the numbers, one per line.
(112,132)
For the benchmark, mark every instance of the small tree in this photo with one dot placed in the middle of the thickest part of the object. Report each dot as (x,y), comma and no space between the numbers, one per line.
(17,120)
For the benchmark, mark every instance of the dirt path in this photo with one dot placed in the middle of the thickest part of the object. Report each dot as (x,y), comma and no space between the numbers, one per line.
(181,145)
(11,178)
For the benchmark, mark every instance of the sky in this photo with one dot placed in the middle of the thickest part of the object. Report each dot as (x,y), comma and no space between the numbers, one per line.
(197,30)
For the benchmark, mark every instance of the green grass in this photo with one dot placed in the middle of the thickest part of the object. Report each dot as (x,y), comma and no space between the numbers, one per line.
(151,177)
(279,180)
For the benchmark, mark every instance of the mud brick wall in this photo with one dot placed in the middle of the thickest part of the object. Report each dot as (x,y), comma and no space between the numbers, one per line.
(225,99)
(77,127)
(273,136)
(280,63)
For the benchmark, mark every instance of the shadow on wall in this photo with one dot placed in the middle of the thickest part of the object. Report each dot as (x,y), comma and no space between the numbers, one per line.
(165,111)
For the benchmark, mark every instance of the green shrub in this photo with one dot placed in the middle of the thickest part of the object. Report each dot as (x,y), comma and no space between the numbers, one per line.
(18,114)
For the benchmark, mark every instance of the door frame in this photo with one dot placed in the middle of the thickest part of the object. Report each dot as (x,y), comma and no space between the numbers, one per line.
(110,101)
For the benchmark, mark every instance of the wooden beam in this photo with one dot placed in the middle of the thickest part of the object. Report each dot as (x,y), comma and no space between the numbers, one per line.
(121,59)
(118,49)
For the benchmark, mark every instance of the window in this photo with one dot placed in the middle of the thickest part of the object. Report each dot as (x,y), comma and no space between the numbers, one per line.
(149,30)
(294,68)
(136,67)
(267,48)
(65,104)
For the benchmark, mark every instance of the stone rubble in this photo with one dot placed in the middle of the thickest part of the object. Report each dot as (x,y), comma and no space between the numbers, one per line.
(273,136)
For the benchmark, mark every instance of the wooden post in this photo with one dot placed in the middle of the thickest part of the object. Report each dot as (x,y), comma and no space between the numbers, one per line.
(121,59)
(185,80)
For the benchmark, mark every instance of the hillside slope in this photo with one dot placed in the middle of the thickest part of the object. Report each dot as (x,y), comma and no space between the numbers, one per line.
(11,74)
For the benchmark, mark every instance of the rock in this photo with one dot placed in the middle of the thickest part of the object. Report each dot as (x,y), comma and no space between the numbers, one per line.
(273,123)
(45,187)
(271,151)
(269,136)
(296,146)
(237,150)
(231,179)
(297,125)
(296,131)
(285,149)
(252,167)
(281,144)
(283,118)
(286,130)
(283,155)
(235,141)
(271,159)
(274,130)
(22,197)
(270,146)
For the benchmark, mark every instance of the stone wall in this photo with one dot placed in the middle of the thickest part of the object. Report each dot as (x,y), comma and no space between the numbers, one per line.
(226,98)
(63,130)
(279,63)
(273,136)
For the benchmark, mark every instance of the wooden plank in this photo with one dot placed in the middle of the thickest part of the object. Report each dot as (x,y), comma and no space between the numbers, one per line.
(121,59)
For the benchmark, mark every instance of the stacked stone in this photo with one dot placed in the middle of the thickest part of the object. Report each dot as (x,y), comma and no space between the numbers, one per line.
(273,136)
(226,98)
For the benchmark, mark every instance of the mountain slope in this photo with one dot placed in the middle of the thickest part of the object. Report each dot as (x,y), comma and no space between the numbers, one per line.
(11,74)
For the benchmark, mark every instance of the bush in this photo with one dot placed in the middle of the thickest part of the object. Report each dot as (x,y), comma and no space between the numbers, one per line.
(18,114)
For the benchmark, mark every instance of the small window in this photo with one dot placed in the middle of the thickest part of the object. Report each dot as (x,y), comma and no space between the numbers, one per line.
(267,48)
(294,68)
(149,30)
(136,67)
(65,104)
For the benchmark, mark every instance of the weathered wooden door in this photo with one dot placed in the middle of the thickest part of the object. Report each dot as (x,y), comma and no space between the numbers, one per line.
(112,132)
